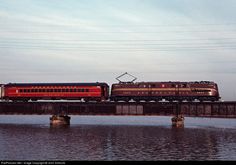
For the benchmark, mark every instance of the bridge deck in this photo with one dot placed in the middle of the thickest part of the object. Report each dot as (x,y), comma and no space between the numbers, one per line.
(194,109)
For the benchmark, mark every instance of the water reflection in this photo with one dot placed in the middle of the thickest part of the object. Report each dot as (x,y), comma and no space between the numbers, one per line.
(91,142)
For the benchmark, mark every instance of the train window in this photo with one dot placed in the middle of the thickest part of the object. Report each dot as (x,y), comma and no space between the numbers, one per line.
(28,90)
(153,85)
(71,90)
(67,90)
(75,90)
(43,90)
(47,90)
(58,90)
(32,90)
(36,90)
(51,90)
(21,90)
(173,85)
(86,90)
(63,90)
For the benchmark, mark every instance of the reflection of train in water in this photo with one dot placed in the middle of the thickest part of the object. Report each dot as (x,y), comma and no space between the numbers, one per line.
(148,91)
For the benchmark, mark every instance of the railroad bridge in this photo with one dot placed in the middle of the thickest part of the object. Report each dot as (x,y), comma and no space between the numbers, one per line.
(225,109)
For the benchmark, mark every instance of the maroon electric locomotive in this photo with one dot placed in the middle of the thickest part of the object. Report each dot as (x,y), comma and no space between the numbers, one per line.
(156,91)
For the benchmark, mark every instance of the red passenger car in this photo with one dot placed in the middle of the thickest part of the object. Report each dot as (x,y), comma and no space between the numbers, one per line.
(55,91)
(203,91)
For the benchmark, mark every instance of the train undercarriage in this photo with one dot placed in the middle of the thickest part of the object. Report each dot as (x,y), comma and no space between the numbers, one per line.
(165,98)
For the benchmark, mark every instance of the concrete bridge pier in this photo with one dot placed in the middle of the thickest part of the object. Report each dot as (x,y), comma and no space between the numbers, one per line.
(60,116)
(178,121)
(60,120)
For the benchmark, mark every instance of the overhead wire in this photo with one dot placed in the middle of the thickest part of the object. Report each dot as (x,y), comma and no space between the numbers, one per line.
(94,44)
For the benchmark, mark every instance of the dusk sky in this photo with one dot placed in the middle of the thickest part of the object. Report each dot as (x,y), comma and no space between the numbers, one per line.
(98,40)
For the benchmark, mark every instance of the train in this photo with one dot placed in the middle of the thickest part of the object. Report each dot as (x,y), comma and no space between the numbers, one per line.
(171,91)
(54,91)
(122,91)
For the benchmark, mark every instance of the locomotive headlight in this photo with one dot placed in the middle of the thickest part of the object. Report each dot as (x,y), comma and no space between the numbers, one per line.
(210,93)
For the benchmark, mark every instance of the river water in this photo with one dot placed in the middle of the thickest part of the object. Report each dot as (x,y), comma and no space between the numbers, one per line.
(116,138)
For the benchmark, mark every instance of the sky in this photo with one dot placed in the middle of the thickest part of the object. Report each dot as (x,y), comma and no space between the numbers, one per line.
(98,40)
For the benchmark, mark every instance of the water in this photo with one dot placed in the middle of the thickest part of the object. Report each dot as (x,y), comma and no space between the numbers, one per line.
(117,138)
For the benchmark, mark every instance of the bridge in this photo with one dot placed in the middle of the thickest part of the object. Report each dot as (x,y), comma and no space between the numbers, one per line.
(61,109)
